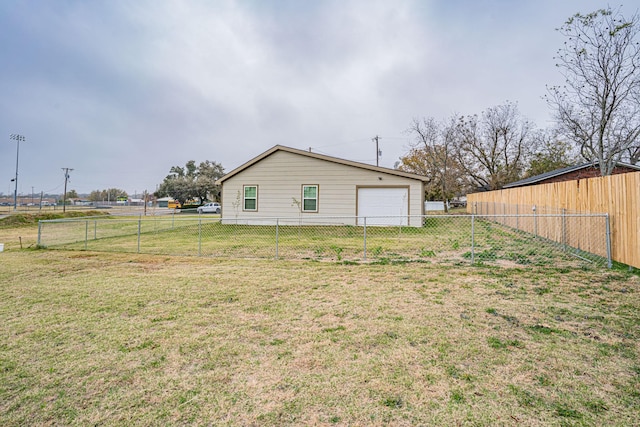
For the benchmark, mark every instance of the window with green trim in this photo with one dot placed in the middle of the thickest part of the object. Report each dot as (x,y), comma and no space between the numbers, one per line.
(309,198)
(250,202)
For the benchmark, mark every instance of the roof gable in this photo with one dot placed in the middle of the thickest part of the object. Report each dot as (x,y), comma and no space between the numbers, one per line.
(323,157)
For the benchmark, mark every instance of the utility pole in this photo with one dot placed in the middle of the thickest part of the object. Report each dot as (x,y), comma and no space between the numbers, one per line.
(17,138)
(64,196)
(378,153)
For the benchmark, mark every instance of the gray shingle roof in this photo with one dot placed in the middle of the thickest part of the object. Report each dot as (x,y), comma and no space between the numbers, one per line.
(558,172)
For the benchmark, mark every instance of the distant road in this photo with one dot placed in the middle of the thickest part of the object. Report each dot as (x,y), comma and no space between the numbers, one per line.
(135,211)
(112,210)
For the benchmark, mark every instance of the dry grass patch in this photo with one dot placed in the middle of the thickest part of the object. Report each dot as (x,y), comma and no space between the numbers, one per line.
(123,339)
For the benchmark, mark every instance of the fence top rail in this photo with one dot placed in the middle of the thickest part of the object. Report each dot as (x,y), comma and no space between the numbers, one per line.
(316,219)
(557,215)
(529,207)
(76,219)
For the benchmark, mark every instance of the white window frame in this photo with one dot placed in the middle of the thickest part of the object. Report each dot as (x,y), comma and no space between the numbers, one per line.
(245,198)
(317,187)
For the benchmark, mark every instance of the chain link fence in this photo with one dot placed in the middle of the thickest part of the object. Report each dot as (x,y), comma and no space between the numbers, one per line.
(496,208)
(545,239)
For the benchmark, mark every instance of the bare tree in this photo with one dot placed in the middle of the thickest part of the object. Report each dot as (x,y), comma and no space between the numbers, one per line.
(551,152)
(598,108)
(494,148)
(433,156)
(634,152)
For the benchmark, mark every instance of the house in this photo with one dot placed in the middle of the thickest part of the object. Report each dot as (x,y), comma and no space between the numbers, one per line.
(571,173)
(285,182)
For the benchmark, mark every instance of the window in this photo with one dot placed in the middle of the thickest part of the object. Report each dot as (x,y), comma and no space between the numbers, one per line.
(250,198)
(309,198)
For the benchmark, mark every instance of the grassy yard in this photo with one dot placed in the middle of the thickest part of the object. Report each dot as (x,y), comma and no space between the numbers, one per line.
(128,339)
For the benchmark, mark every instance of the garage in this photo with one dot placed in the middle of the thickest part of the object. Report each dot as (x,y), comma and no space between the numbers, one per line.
(383,205)
(320,190)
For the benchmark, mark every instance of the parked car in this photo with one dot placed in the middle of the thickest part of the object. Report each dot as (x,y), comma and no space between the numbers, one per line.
(212,207)
(458,203)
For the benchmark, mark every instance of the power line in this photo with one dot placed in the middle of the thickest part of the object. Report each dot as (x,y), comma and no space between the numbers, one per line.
(55,188)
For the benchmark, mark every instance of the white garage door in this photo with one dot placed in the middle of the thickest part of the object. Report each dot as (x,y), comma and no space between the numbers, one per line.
(383,206)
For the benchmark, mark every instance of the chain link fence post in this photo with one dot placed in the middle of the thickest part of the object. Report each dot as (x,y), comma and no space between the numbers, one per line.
(39,232)
(473,223)
(608,237)
(139,231)
(277,235)
(564,229)
(199,235)
(365,236)
(86,234)
(504,214)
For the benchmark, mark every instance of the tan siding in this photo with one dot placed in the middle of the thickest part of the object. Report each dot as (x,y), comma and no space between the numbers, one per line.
(280,176)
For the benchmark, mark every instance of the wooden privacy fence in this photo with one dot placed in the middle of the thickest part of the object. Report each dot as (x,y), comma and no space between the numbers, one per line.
(616,195)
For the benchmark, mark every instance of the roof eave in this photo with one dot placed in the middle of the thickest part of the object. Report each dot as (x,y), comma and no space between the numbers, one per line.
(320,157)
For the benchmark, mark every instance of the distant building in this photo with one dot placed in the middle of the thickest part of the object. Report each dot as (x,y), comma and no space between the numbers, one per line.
(571,173)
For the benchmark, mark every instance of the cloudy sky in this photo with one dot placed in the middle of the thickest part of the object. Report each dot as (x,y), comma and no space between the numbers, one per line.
(120,91)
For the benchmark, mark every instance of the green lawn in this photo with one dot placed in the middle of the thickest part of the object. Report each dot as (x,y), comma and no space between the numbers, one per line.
(91,338)
(105,338)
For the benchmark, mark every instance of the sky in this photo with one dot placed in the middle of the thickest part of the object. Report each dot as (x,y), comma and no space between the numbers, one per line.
(120,91)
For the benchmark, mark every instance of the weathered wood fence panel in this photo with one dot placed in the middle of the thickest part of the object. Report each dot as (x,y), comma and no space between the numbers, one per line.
(617,195)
